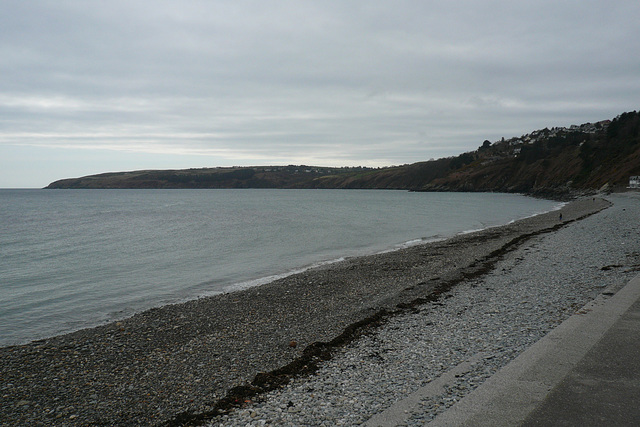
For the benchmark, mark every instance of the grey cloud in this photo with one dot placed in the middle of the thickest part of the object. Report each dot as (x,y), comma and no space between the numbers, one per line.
(355,82)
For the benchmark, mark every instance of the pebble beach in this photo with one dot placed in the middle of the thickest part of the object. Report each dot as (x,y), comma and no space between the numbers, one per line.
(338,344)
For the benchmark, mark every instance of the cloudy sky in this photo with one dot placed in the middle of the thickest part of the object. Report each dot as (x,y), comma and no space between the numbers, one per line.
(97,86)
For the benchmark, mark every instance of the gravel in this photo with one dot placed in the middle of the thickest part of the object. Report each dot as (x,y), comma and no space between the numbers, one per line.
(489,320)
(186,363)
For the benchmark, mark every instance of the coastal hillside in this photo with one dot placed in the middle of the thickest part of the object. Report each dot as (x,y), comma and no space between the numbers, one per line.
(222,177)
(587,157)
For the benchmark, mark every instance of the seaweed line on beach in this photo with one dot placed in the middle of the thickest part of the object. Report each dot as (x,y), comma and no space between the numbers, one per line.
(317,352)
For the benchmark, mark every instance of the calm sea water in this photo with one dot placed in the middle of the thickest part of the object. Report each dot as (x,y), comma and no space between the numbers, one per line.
(76,258)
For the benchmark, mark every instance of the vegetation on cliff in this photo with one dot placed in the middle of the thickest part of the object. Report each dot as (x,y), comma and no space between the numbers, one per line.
(581,158)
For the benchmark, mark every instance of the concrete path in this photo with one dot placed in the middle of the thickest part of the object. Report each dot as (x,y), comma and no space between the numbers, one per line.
(604,388)
(585,372)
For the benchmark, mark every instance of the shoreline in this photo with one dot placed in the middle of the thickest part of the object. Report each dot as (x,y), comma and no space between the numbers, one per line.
(180,362)
(261,281)
(96,285)
(37,329)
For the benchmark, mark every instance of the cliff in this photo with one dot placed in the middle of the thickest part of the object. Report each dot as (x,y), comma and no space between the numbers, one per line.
(583,158)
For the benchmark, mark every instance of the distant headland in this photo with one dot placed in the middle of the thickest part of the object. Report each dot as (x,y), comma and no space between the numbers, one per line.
(558,161)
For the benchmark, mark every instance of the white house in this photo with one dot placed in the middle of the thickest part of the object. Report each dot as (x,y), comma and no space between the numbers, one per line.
(634,182)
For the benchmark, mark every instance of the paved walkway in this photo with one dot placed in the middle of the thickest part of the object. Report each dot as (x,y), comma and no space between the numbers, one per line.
(604,387)
(586,372)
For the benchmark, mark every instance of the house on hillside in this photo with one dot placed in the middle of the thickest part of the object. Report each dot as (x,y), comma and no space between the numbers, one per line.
(634,182)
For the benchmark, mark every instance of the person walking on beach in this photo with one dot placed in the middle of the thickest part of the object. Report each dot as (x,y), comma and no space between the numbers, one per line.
(560,217)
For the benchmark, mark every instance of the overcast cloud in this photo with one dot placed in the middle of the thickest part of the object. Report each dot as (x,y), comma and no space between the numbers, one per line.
(96,86)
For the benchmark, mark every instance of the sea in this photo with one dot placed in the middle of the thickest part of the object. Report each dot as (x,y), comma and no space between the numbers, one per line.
(71,259)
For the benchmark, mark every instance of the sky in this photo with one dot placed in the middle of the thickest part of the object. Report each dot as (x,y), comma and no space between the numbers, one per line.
(99,86)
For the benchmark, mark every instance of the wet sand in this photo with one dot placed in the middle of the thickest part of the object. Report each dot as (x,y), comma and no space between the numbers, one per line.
(183,363)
